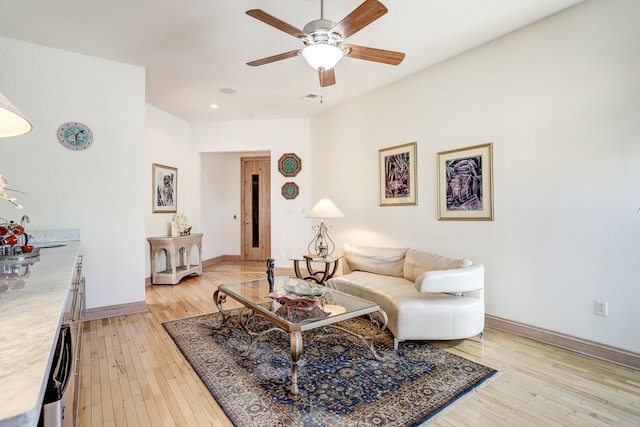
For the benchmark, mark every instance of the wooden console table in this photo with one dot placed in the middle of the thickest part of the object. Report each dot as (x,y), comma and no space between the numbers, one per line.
(173,247)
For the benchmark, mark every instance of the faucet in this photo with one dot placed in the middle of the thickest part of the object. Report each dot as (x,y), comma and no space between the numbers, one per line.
(24,219)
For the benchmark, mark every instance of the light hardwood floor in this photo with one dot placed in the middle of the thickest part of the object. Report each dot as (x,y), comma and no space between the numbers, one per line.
(132,373)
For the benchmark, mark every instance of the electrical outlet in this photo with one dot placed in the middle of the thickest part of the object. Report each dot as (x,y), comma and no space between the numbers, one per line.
(602,308)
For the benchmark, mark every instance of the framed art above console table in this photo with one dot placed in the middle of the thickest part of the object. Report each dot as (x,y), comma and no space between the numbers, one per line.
(164,189)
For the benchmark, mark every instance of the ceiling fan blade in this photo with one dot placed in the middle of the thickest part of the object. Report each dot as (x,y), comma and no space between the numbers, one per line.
(277,23)
(274,58)
(327,77)
(371,54)
(361,16)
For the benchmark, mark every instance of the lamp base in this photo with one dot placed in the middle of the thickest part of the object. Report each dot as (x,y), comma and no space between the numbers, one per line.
(321,245)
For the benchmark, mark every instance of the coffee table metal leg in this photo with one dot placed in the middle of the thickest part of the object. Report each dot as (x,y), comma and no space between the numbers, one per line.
(220,298)
(296,352)
(253,336)
(379,321)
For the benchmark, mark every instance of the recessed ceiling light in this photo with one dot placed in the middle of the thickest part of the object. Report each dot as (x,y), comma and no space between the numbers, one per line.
(228,90)
(214,106)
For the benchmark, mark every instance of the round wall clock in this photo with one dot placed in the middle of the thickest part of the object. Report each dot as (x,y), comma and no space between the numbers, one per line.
(75,136)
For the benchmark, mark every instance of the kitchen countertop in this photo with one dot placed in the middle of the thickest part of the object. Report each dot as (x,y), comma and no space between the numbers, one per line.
(30,315)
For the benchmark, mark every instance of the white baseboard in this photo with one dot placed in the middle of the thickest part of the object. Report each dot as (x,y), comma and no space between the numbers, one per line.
(568,342)
(115,310)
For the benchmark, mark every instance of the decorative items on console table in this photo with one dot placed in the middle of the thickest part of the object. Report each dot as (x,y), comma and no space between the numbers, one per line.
(321,244)
(180,225)
(174,247)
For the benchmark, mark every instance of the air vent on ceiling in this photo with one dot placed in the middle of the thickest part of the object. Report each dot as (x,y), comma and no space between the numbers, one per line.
(308,97)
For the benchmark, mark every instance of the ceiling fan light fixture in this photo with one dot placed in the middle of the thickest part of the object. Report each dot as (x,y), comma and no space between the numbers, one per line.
(322,55)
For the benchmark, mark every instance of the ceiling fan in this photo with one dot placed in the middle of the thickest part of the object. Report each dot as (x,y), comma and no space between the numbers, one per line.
(323,40)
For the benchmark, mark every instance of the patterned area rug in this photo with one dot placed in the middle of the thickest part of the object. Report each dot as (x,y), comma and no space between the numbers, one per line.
(340,382)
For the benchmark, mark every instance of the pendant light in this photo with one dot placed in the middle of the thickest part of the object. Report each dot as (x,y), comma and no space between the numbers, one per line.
(12,121)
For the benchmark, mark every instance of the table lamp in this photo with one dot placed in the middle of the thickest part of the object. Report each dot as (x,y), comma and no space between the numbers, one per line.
(321,244)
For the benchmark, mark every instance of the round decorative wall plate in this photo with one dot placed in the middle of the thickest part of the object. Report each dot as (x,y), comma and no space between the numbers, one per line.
(290,190)
(75,136)
(289,164)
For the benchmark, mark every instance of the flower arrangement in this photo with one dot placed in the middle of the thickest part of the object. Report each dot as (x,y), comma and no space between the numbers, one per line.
(3,195)
(182,224)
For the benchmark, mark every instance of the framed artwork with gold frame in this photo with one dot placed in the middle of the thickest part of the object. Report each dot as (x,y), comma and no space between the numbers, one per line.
(398,175)
(164,189)
(465,183)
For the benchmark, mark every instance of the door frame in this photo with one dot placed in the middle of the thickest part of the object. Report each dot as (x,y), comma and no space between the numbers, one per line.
(243,227)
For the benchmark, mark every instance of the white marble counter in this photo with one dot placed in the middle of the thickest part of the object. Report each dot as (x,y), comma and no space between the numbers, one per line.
(30,315)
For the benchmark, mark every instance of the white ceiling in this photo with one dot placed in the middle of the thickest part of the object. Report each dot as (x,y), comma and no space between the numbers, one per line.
(193,48)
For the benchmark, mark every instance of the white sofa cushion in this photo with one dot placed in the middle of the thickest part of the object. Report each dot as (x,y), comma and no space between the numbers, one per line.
(455,280)
(417,262)
(385,261)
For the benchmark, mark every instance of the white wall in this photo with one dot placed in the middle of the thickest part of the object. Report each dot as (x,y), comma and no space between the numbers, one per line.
(243,138)
(166,142)
(100,190)
(560,100)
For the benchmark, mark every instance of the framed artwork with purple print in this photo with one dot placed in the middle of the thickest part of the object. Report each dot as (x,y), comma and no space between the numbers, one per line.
(398,175)
(465,183)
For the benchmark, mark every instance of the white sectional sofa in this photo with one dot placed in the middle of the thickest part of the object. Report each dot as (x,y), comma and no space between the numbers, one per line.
(426,296)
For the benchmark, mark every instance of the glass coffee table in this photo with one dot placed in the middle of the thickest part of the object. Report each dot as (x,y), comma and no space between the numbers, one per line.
(333,307)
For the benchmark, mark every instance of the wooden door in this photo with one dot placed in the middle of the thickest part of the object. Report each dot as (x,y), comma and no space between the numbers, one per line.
(256,208)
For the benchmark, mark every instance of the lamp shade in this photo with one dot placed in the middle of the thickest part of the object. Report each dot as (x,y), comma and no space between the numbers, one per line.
(322,55)
(12,121)
(325,208)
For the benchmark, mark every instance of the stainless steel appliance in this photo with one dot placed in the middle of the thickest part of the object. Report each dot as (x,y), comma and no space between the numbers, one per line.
(53,411)
(62,394)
